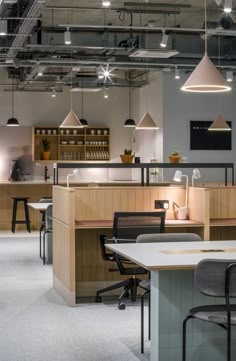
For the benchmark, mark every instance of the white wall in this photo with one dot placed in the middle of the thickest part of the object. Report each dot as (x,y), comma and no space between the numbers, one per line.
(181,107)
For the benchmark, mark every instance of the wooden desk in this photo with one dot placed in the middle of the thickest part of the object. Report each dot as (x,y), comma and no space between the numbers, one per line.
(173,294)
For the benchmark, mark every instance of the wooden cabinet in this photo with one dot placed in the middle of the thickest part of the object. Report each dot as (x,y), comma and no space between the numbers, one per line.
(72,144)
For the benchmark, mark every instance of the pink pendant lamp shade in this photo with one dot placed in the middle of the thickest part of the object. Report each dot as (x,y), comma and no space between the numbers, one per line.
(219,124)
(206,78)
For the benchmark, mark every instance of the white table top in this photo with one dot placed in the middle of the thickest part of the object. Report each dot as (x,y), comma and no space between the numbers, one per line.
(182,255)
(39,206)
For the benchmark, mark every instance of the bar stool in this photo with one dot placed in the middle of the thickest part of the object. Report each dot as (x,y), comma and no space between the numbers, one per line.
(24,221)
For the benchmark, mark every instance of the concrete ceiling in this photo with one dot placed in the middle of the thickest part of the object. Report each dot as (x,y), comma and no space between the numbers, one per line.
(108,38)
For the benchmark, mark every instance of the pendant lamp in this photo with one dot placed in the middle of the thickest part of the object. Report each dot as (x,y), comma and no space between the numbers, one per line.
(82,120)
(129,123)
(219,124)
(206,78)
(147,123)
(71,120)
(12,122)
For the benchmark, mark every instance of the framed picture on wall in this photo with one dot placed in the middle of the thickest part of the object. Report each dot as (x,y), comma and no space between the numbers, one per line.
(203,139)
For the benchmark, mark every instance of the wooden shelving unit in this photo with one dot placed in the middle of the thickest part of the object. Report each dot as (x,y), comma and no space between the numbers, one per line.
(72,144)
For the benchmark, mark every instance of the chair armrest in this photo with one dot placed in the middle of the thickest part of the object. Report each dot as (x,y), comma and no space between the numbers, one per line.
(107,256)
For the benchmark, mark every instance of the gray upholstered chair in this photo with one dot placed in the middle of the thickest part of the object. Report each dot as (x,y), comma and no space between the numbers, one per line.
(145,284)
(216,278)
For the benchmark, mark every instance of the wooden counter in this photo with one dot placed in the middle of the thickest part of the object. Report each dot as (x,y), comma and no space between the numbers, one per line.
(33,190)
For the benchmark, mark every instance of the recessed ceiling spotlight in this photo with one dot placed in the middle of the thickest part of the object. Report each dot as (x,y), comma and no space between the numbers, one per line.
(3,27)
(40,71)
(106,3)
(228,6)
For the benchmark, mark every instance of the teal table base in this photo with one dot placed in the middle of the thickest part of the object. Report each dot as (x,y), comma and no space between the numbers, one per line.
(173,293)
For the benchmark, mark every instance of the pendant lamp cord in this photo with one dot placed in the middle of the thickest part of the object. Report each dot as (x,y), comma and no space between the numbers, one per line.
(82,99)
(71,85)
(205,27)
(129,101)
(12,99)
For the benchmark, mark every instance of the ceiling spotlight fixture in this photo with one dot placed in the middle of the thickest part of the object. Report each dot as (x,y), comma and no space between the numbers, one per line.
(229,76)
(228,6)
(54,93)
(226,21)
(164,40)
(104,73)
(106,3)
(67,37)
(219,124)
(3,27)
(177,74)
(40,71)
(206,78)
(105,94)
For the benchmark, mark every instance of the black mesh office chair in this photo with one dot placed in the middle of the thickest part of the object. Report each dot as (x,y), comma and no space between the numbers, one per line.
(145,284)
(42,226)
(126,227)
(216,278)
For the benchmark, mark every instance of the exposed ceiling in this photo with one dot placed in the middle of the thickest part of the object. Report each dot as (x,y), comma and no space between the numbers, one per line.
(123,39)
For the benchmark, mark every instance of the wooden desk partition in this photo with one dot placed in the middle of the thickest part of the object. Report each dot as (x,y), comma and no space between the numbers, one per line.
(78,268)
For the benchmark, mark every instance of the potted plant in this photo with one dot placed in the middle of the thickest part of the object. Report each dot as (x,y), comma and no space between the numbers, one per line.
(174,157)
(127,157)
(46,145)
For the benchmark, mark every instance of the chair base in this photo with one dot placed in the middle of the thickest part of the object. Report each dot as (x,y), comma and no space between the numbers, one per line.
(130,285)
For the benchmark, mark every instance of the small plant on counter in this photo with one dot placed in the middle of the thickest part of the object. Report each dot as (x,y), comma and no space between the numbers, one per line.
(128,151)
(127,157)
(175,152)
(174,157)
(46,145)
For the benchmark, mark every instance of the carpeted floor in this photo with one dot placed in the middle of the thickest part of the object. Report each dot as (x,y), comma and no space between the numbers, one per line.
(36,325)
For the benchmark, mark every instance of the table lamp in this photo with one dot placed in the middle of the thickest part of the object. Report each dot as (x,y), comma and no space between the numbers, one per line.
(75,173)
(196,175)
(183,211)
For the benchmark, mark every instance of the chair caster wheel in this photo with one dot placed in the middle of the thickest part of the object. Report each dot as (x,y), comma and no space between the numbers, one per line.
(121,306)
(98,299)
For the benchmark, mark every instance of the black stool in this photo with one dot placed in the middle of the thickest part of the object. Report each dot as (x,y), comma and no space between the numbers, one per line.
(14,220)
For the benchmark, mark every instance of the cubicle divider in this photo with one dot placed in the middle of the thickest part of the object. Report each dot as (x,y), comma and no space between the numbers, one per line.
(82,214)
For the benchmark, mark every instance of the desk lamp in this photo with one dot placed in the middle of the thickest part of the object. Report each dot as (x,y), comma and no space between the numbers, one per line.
(196,175)
(75,173)
(177,178)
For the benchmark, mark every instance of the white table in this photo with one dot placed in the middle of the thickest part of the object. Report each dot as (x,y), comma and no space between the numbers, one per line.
(173,294)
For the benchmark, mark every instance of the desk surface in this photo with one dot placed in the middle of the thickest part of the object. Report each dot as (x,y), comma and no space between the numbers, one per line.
(39,206)
(109,224)
(174,255)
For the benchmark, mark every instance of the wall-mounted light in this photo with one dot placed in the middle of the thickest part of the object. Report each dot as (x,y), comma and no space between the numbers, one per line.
(67,38)
(229,76)
(164,40)
(228,6)
(177,178)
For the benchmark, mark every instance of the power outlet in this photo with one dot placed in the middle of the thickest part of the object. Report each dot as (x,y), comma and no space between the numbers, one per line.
(161,204)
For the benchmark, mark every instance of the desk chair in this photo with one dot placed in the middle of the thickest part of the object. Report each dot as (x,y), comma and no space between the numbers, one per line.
(126,227)
(216,278)
(145,284)
(47,228)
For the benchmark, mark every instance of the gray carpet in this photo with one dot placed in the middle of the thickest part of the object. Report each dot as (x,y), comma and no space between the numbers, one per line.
(36,325)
